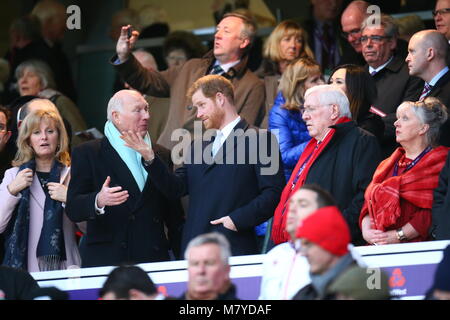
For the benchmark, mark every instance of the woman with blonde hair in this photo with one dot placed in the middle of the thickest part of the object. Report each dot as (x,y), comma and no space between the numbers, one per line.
(285,115)
(287,42)
(38,234)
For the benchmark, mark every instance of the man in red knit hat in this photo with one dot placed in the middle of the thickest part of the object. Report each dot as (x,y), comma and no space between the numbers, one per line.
(325,237)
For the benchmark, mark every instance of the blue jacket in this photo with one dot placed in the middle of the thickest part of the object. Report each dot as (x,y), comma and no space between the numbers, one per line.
(292,136)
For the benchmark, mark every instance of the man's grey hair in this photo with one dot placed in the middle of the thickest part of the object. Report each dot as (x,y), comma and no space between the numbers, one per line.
(211,238)
(386,22)
(430,111)
(114,104)
(330,94)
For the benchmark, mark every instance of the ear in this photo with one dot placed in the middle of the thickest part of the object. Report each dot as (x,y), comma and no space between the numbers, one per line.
(430,54)
(335,112)
(115,116)
(393,42)
(424,129)
(220,99)
(245,43)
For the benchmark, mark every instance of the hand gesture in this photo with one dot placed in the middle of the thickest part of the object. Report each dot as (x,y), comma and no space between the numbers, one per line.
(135,141)
(124,44)
(57,191)
(227,223)
(111,196)
(374,236)
(22,180)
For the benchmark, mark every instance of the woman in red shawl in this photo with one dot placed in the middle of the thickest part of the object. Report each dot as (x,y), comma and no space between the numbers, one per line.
(398,201)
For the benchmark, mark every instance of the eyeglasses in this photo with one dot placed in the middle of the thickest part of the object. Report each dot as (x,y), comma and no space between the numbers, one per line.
(375,39)
(440,11)
(351,32)
(310,109)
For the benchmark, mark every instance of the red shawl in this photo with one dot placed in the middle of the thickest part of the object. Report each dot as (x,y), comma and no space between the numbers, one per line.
(382,196)
(310,154)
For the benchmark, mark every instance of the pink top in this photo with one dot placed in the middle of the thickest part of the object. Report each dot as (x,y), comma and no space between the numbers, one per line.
(8,202)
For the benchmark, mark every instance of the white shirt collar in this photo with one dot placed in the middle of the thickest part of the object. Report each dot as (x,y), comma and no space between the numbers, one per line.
(227,66)
(228,128)
(380,67)
(438,76)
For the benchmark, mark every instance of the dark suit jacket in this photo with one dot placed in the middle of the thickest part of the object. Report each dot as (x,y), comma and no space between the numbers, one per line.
(441,90)
(342,46)
(132,232)
(217,190)
(440,228)
(394,85)
(345,168)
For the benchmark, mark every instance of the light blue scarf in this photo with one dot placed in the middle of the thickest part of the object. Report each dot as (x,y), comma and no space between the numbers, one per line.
(131,158)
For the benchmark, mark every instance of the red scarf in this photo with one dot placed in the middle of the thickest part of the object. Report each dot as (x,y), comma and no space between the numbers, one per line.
(312,151)
(382,196)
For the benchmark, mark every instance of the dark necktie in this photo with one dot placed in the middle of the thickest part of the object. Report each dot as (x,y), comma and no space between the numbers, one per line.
(426,90)
(217,69)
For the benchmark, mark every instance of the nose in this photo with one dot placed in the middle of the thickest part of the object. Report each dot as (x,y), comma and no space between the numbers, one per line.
(305,116)
(397,123)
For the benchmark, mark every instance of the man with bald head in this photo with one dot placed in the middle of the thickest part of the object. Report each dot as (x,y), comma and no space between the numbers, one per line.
(109,189)
(351,20)
(159,107)
(427,56)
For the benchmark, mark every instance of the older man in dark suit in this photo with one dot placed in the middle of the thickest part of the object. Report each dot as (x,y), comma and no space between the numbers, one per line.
(110,190)
(389,70)
(233,183)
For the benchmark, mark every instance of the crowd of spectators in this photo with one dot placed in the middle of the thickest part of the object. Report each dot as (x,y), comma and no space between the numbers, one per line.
(203,158)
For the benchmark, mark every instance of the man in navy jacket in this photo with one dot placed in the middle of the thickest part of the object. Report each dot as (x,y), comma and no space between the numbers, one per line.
(234,183)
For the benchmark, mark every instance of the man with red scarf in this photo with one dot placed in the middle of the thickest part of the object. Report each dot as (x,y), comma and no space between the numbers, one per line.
(341,158)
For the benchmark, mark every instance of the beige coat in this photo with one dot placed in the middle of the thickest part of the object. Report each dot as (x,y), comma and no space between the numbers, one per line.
(175,82)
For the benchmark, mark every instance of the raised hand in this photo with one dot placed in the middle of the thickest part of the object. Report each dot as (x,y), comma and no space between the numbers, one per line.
(124,44)
(22,180)
(135,141)
(111,196)
(57,191)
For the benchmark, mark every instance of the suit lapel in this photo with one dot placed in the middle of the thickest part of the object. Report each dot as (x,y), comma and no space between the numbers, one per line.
(121,176)
(437,88)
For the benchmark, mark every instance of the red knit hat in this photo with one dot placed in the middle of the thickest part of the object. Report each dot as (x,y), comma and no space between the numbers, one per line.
(327,228)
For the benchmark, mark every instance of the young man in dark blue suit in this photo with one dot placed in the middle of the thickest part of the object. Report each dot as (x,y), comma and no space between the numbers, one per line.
(234,182)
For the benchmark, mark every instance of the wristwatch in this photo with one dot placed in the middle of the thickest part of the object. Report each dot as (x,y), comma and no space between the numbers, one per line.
(401,235)
(148,162)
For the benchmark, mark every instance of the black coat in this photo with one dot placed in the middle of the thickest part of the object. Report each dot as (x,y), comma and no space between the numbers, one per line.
(217,190)
(394,85)
(440,228)
(17,284)
(345,168)
(132,232)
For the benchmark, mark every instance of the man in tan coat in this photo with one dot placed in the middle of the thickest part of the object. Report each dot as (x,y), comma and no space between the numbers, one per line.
(228,58)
